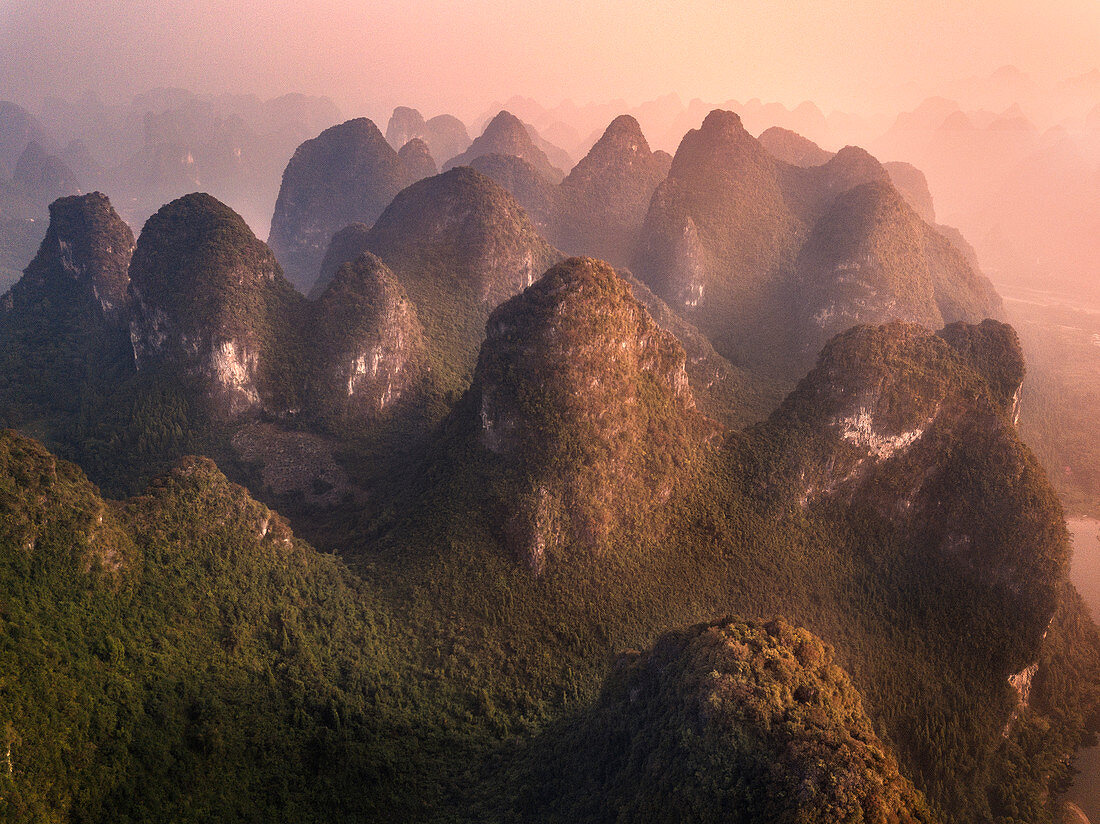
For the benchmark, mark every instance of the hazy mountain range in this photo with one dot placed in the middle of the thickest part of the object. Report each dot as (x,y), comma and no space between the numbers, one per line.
(650,486)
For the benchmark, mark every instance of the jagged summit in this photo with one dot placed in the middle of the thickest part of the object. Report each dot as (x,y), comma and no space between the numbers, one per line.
(581,393)
(64,325)
(369,345)
(505,134)
(347,174)
(210,299)
(605,197)
(87,248)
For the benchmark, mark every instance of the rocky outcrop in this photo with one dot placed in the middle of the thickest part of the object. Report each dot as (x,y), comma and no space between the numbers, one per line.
(211,304)
(417,160)
(735,237)
(82,264)
(459,244)
(472,227)
(506,135)
(368,344)
(586,398)
(605,197)
(717,231)
(740,715)
(914,430)
(347,174)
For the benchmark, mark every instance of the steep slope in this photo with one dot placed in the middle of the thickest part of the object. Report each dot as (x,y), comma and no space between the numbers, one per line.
(729,716)
(65,323)
(793,148)
(37,179)
(537,195)
(918,428)
(417,160)
(913,186)
(723,392)
(559,158)
(717,230)
(405,123)
(543,385)
(460,245)
(369,347)
(889,507)
(871,259)
(506,135)
(182,656)
(211,305)
(18,128)
(445,135)
(605,197)
(347,174)
(345,245)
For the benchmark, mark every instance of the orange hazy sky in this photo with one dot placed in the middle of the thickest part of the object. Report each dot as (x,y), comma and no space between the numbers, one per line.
(459,55)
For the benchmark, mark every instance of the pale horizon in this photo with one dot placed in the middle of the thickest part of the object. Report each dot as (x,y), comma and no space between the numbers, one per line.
(440,57)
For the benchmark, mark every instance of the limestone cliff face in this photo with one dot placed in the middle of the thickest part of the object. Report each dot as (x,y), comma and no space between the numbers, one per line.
(605,197)
(915,431)
(737,235)
(582,394)
(459,244)
(84,258)
(723,183)
(347,174)
(210,301)
(871,259)
(405,124)
(369,344)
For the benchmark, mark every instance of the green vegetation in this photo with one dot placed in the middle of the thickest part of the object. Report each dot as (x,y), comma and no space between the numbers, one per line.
(181,656)
(729,721)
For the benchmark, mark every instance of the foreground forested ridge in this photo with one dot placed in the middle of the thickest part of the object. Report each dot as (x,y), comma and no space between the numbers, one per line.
(556,485)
